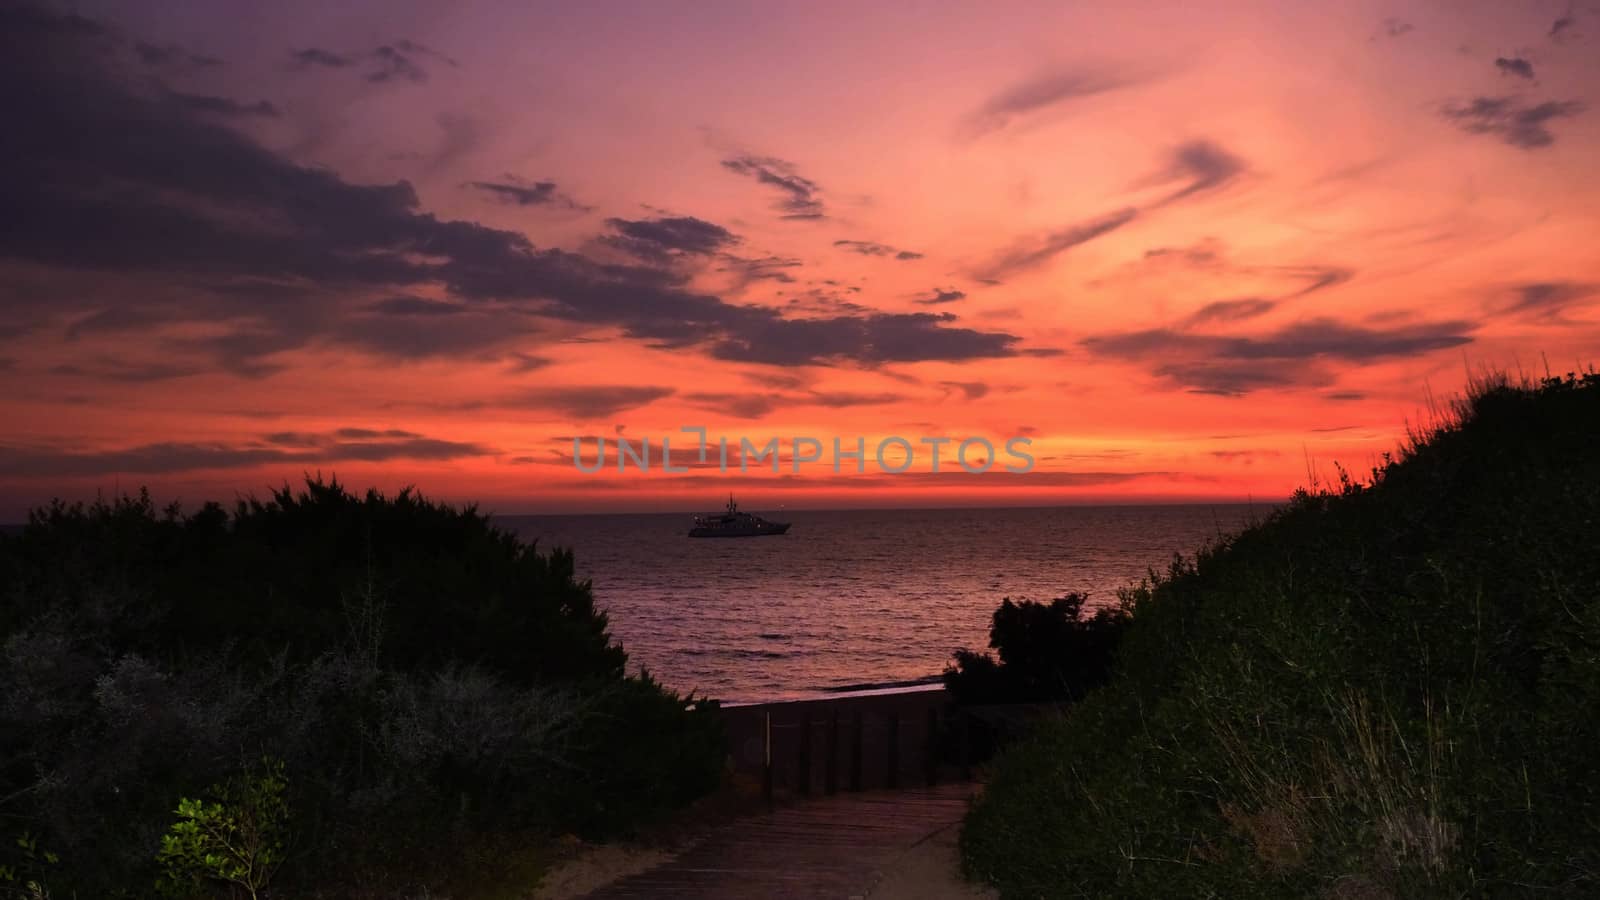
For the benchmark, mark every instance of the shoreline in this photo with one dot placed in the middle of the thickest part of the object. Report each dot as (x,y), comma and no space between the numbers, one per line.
(846,692)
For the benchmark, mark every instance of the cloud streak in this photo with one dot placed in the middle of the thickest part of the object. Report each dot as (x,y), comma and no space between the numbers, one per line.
(872,248)
(1507,118)
(800,196)
(1034,252)
(284,448)
(1031,97)
(1292,355)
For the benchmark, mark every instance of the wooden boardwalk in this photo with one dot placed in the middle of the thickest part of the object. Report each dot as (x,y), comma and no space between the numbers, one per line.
(831,847)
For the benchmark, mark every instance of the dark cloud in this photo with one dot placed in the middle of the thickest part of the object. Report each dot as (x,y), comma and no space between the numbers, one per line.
(528,362)
(763,268)
(971,390)
(1318,278)
(418,49)
(51,24)
(820,301)
(519,193)
(1396,27)
(346,445)
(1039,93)
(418,331)
(1204,165)
(315,56)
(399,61)
(1562,28)
(940,297)
(597,401)
(172,56)
(872,248)
(1230,311)
(417,306)
(779,380)
(121,207)
(393,64)
(1203,255)
(1313,337)
(223,106)
(1508,119)
(755,405)
(1549,298)
(846,399)
(1517,66)
(112,319)
(1034,252)
(1225,378)
(870,339)
(737,405)
(800,195)
(662,240)
(1291,355)
(123,371)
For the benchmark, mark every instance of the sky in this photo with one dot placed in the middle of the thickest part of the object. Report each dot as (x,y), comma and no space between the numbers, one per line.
(1187,252)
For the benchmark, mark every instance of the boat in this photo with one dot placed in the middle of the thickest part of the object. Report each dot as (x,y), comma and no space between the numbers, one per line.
(733,523)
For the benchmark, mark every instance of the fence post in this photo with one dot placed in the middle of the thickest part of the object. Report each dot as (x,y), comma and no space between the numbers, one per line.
(766,764)
(892,779)
(856,736)
(931,749)
(803,755)
(830,781)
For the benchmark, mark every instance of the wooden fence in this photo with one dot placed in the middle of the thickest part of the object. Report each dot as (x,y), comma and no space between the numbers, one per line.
(856,743)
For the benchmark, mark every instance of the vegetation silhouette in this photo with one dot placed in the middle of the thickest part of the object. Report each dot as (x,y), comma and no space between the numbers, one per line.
(1388,689)
(431,685)
(1047,652)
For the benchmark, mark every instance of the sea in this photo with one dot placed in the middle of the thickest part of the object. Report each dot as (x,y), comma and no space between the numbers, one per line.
(853,600)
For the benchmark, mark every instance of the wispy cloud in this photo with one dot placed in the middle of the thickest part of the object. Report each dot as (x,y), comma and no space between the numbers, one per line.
(1031,253)
(518,191)
(1292,355)
(1032,96)
(1515,65)
(801,197)
(872,248)
(283,448)
(1396,27)
(1507,118)
(941,297)
(1203,165)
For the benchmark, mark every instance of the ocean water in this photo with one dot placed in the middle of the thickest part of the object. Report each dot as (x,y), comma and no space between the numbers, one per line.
(857,597)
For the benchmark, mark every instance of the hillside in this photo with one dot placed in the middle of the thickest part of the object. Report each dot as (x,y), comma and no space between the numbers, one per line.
(1390,688)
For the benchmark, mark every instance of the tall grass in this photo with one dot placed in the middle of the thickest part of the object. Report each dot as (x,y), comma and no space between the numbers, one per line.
(1388,689)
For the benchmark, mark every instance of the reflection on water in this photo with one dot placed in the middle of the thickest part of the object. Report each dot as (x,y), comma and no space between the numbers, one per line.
(852,597)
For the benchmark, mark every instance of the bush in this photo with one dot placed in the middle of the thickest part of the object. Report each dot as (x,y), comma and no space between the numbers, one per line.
(1386,690)
(423,677)
(237,838)
(1048,652)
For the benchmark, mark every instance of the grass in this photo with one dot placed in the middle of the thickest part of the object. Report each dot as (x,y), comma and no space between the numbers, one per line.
(1387,689)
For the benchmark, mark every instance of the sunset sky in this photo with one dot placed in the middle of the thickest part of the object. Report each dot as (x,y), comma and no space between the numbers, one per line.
(1192,251)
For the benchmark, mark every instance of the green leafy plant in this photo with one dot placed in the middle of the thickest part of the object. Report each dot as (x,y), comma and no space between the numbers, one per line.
(236,838)
(21,876)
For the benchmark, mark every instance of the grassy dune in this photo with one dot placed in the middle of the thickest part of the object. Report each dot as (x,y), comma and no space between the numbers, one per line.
(1389,689)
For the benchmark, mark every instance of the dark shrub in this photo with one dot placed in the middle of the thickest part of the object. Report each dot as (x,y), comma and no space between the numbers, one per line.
(423,676)
(1048,652)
